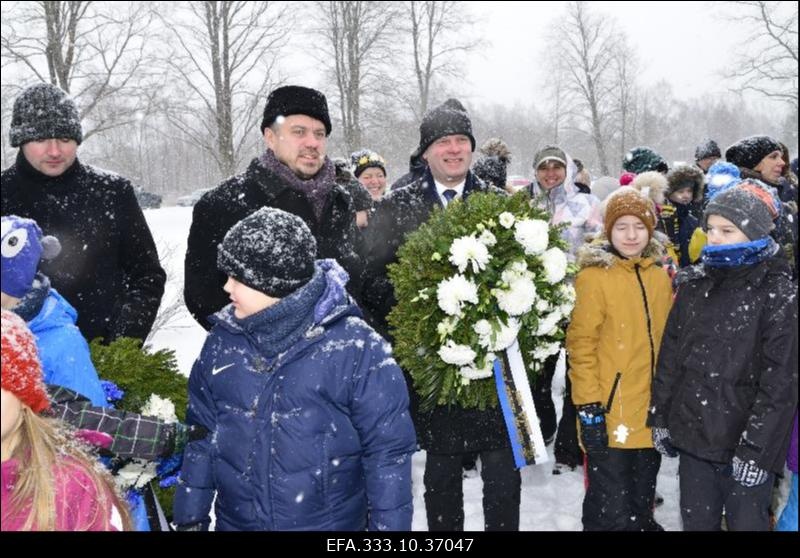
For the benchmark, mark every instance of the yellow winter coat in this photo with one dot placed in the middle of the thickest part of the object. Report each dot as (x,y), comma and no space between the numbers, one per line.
(610,339)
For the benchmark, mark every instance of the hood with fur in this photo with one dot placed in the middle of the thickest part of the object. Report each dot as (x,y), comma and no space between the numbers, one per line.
(597,251)
(682,176)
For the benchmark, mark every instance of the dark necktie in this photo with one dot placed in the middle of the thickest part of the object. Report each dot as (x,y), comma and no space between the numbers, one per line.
(449,195)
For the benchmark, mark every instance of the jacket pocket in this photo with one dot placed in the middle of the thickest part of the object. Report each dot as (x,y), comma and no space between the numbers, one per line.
(613,392)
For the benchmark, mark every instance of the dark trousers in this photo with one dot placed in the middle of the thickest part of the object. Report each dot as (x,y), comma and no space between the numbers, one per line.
(567,450)
(543,398)
(707,488)
(621,491)
(444,495)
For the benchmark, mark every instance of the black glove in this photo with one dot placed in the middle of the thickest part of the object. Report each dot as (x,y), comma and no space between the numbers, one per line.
(747,473)
(593,429)
(663,443)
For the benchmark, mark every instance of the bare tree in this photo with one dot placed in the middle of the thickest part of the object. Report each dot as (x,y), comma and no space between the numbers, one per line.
(624,94)
(94,51)
(223,54)
(586,54)
(358,43)
(439,32)
(767,60)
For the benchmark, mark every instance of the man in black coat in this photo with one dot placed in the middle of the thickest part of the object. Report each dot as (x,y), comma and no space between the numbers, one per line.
(108,268)
(293,174)
(447,433)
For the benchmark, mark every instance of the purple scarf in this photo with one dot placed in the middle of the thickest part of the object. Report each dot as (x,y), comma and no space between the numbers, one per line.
(315,189)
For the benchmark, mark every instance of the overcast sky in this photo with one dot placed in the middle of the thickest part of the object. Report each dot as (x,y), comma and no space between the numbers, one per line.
(686,43)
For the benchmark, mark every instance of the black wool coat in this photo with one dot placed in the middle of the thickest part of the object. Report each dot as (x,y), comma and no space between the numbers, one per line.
(108,268)
(726,379)
(241,195)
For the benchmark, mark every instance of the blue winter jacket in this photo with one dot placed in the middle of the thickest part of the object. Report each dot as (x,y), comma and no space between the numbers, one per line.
(317,438)
(63,351)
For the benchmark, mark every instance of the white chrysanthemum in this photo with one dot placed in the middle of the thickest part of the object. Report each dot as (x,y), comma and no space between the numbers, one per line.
(542,306)
(555,265)
(135,474)
(506,336)
(452,293)
(460,355)
(474,373)
(519,297)
(548,323)
(469,250)
(543,352)
(160,408)
(447,326)
(532,234)
(506,219)
(520,267)
(487,238)
(483,328)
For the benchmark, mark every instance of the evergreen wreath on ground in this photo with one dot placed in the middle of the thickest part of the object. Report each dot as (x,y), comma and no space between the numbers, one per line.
(149,383)
(470,281)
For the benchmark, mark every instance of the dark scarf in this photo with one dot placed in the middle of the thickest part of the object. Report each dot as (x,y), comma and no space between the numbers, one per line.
(315,189)
(741,254)
(280,326)
(31,304)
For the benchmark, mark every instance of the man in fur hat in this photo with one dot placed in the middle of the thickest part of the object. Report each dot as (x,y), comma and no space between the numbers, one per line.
(293,174)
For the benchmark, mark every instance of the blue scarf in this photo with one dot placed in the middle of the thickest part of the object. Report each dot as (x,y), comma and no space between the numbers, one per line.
(736,255)
(280,326)
(31,304)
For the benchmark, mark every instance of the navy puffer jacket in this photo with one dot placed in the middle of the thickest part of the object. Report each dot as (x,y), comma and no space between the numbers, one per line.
(318,437)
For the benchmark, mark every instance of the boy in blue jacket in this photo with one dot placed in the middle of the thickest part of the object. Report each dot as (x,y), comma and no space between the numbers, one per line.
(306,408)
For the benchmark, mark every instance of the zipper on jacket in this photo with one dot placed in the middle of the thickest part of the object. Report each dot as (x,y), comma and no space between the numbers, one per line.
(613,391)
(649,326)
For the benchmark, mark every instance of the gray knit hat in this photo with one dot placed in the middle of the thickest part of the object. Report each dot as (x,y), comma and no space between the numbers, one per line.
(746,206)
(549,153)
(44,111)
(271,251)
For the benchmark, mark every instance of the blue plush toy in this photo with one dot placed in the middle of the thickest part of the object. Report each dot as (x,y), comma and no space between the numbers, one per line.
(23,245)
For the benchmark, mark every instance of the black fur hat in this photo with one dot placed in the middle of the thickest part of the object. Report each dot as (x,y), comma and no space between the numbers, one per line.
(295,99)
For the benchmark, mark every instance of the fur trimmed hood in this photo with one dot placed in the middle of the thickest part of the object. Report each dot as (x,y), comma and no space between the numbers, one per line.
(682,176)
(597,251)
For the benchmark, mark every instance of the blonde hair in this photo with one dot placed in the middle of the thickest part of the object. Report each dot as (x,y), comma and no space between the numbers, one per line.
(42,445)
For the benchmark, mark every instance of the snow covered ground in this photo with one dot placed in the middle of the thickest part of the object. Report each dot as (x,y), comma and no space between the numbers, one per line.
(549,502)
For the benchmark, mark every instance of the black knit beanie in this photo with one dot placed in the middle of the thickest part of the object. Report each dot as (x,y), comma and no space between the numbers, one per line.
(271,251)
(747,153)
(449,118)
(708,148)
(44,111)
(295,99)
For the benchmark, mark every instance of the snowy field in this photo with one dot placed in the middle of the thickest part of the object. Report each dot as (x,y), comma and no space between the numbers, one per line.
(549,502)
